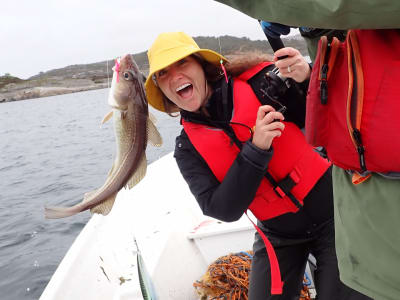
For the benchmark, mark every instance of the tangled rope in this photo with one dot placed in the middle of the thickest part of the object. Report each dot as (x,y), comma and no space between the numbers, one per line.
(228,279)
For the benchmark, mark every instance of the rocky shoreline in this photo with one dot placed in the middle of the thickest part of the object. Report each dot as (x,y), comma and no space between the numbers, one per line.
(46,91)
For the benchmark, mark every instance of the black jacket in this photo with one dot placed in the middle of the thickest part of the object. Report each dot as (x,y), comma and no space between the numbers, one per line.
(228,200)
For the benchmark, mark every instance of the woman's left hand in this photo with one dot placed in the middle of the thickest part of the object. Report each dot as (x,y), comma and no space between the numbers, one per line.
(268,126)
(294,66)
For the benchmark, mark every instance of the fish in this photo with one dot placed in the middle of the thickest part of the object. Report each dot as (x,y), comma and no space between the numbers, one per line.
(133,127)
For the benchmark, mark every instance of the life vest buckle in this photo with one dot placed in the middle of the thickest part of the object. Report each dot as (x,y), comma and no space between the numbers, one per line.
(284,186)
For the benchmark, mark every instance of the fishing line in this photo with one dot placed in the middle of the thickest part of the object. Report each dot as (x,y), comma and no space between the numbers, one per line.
(221,61)
(108,76)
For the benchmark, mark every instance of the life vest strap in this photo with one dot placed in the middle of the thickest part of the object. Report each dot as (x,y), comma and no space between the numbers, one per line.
(276,280)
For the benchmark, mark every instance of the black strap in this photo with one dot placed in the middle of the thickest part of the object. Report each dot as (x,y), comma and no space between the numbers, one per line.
(224,92)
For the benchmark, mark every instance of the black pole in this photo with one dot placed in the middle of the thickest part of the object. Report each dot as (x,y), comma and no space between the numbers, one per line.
(276,44)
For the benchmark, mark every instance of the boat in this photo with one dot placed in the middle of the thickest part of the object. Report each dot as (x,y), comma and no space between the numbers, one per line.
(154,244)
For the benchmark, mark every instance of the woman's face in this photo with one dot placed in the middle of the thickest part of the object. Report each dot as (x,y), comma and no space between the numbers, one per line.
(184,83)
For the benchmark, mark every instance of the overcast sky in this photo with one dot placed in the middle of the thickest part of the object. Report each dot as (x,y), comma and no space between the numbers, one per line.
(47,34)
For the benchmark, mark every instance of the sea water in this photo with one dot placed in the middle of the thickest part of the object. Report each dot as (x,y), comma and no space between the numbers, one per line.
(52,151)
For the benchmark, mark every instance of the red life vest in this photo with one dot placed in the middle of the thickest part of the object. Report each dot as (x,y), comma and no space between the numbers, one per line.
(353,102)
(292,157)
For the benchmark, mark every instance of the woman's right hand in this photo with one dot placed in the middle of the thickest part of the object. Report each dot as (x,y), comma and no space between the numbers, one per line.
(267,127)
(294,66)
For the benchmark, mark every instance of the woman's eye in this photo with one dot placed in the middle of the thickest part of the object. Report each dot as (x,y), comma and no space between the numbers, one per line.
(161,73)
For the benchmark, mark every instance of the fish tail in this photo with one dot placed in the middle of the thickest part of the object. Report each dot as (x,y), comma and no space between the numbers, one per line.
(55,212)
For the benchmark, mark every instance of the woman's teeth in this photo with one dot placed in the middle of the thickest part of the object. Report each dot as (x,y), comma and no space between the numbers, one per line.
(185,90)
(180,88)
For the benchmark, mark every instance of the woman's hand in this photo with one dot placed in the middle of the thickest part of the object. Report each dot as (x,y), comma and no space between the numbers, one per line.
(267,128)
(294,66)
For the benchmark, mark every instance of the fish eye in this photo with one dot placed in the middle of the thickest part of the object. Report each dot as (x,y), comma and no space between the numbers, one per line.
(127,76)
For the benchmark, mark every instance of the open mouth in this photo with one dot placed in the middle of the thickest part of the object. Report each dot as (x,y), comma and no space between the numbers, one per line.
(185,90)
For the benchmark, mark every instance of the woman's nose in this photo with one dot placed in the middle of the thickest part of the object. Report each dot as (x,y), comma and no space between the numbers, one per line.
(174,72)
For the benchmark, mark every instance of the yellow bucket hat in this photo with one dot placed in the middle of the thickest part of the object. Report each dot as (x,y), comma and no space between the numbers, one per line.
(167,49)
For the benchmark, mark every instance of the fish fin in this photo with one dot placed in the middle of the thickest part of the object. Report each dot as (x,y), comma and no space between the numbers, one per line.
(55,212)
(153,135)
(87,196)
(139,173)
(152,118)
(107,117)
(104,207)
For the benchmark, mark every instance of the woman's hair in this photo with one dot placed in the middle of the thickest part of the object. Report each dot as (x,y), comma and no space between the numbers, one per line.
(237,64)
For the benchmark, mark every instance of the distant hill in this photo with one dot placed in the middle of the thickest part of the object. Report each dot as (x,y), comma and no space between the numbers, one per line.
(96,75)
(229,45)
(7,79)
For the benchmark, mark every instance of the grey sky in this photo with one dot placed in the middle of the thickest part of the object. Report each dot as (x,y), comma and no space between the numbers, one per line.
(46,34)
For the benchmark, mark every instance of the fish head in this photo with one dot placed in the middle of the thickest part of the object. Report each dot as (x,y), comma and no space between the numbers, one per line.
(127,85)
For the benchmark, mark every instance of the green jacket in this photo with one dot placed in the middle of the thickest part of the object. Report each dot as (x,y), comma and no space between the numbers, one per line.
(367,229)
(329,14)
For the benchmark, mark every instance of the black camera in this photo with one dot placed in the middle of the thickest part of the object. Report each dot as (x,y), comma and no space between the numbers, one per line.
(274,88)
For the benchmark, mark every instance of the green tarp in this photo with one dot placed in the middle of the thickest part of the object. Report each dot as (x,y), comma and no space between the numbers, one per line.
(329,14)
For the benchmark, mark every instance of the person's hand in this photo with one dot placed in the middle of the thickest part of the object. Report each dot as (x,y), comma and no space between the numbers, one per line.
(294,66)
(267,128)
(274,30)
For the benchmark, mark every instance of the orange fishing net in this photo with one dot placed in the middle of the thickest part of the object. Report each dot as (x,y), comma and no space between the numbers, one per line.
(228,279)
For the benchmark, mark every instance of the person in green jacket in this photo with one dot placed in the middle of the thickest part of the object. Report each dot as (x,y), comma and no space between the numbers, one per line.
(367,221)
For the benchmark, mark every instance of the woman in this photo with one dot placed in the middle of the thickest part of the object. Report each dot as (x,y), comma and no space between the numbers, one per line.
(237,154)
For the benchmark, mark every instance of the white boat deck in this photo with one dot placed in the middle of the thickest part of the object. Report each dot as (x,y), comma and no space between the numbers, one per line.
(176,241)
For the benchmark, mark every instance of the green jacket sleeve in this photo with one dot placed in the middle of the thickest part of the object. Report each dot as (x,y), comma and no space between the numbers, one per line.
(329,14)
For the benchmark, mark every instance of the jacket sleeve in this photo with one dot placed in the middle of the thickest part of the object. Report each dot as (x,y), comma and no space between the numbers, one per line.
(229,199)
(334,14)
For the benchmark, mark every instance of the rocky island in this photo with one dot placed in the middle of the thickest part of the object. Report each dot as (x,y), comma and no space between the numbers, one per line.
(83,77)
(71,79)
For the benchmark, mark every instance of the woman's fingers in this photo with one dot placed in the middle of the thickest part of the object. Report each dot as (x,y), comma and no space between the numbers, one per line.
(286,62)
(274,134)
(289,64)
(263,110)
(264,135)
(289,51)
(267,127)
(267,114)
(273,116)
(274,126)
(294,66)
